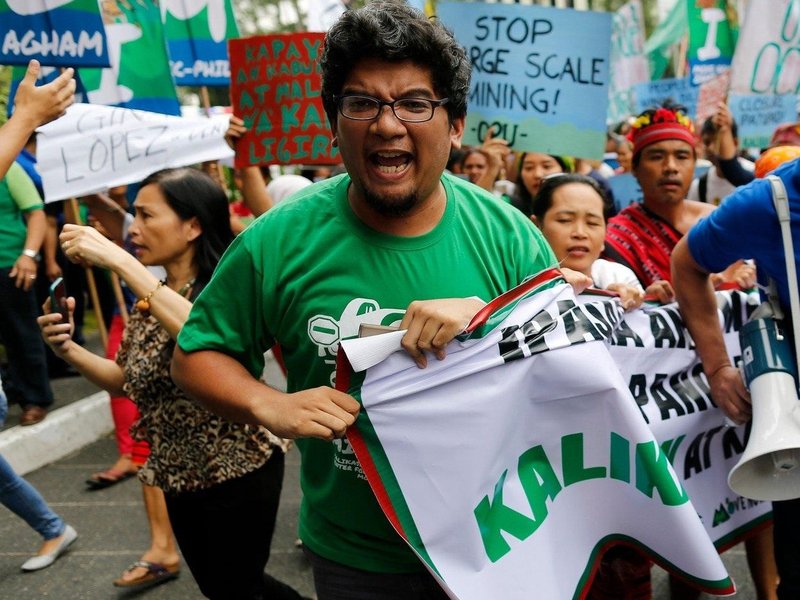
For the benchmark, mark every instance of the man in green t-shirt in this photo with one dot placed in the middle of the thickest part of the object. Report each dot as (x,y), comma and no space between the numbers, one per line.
(392,242)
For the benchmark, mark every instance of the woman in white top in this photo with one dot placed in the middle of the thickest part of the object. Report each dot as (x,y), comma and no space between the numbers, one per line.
(571,211)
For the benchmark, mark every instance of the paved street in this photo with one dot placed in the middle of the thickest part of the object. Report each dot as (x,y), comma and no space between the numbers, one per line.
(113,531)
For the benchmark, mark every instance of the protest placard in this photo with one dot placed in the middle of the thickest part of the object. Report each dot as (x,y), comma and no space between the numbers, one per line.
(626,190)
(94,147)
(711,39)
(540,75)
(711,93)
(58,33)
(767,60)
(197,34)
(275,89)
(757,116)
(629,65)
(650,94)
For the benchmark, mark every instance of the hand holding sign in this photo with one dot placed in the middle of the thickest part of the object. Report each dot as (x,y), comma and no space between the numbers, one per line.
(39,105)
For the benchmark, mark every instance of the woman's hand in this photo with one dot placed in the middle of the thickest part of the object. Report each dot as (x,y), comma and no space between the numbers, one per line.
(630,296)
(661,291)
(88,247)
(56,332)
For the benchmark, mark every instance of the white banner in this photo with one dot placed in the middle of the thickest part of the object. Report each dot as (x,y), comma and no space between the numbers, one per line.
(95,147)
(766,60)
(511,465)
(629,64)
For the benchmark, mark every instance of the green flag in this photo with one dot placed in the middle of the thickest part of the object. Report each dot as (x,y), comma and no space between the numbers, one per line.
(667,34)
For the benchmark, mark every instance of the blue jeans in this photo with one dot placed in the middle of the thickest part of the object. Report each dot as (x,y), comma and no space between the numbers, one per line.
(334,581)
(21,498)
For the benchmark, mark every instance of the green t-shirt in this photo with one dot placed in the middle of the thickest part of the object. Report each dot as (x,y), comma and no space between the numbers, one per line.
(18,195)
(306,274)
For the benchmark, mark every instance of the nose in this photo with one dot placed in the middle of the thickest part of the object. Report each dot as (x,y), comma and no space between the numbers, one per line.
(579,230)
(670,163)
(387,125)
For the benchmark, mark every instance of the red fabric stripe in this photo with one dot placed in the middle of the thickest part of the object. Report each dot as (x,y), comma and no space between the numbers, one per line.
(344,371)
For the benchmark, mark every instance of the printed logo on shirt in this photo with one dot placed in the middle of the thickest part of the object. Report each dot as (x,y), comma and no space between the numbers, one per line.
(326,331)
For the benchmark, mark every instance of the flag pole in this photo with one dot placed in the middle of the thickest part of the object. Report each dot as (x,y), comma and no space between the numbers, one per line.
(90,281)
(206,101)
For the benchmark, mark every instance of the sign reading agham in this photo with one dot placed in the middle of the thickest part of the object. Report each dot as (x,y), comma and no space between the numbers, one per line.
(275,89)
(56,32)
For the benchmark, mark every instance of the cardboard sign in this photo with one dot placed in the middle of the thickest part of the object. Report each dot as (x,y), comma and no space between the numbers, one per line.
(275,89)
(712,92)
(758,115)
(711,39)
(93,147)
(66,33)
(651,94)
(540,76)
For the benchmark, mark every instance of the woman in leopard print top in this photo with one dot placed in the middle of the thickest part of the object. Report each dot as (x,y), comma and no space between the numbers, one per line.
(221,480)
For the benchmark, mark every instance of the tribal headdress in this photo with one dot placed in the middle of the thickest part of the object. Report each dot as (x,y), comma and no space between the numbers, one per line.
(668,122)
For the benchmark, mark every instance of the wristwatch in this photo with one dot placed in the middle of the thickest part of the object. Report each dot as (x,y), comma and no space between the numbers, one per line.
(31,254)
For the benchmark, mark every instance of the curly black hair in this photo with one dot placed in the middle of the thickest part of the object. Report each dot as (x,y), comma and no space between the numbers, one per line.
(393,31)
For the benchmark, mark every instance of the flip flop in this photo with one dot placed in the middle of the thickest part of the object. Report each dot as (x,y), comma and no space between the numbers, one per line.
(107,478)
(156,573)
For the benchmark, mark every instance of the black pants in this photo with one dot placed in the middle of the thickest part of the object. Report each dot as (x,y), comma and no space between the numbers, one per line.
(334,581)
(786,516)
(225,532)
(28,379)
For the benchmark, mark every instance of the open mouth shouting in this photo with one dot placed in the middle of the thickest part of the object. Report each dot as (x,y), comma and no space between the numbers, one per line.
(391,163)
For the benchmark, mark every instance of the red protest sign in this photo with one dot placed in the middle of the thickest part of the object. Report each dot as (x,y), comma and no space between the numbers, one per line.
(275,89)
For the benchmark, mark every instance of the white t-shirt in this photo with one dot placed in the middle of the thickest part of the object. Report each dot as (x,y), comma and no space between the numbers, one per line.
(717,188)
(605,272)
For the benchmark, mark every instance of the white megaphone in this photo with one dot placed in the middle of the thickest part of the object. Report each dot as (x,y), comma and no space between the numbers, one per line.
(769,468)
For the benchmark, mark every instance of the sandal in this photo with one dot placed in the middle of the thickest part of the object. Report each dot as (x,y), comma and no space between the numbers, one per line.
(156,573)
(107,478)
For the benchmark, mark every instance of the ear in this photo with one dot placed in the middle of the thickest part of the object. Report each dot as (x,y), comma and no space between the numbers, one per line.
(192,229)
(456,132)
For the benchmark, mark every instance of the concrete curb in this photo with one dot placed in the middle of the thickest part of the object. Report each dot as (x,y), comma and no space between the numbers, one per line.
(63,432)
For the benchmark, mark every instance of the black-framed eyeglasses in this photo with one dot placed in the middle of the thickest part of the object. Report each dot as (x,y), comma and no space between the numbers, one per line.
(367,108)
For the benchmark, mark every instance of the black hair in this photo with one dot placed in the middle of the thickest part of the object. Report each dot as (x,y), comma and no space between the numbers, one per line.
(391,30)
(192,193)
(522,197)
(544,199)
(457,156)
(710,128)
(469,151)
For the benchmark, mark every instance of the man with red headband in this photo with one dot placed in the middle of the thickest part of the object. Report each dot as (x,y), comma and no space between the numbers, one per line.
(643,235)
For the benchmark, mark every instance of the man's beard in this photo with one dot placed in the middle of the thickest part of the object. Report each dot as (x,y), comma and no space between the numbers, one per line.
(394,208)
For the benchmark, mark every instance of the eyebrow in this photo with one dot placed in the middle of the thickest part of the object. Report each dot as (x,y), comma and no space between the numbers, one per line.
(419,92)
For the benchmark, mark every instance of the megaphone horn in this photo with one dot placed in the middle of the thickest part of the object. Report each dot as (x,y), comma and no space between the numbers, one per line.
(769,468)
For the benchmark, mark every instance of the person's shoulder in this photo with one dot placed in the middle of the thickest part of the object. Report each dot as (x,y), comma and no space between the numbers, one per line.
(310,205)
(469,195)
(623,215)
(697,209)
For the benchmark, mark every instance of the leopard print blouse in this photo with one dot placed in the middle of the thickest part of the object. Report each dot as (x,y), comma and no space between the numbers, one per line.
(190,448)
